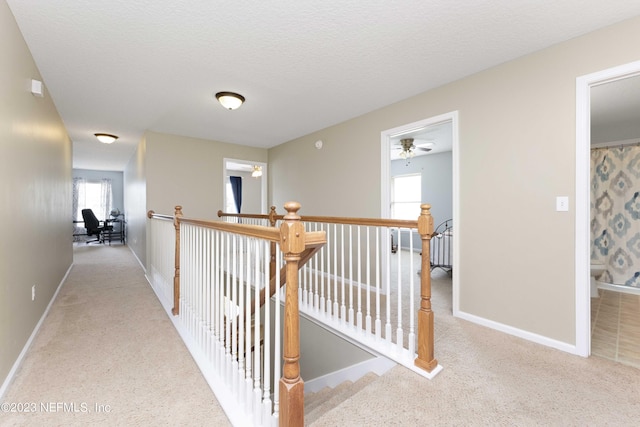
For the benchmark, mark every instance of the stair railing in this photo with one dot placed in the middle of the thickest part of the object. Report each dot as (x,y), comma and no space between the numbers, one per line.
(223,273)
(363,288)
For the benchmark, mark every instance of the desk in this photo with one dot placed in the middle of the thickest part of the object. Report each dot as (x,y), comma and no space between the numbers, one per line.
(117,232)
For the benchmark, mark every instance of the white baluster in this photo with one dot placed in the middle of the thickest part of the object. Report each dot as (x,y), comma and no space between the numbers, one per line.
(266,399)
(207,257)
(248,332)
(367,321)
(359,311)
(399,333)
(256,343)
(387,326)
(378,323)
(320,275)
(234,315)
(343,307)
(335,272)
(277,345)
(241,324)
(412,335)
(351,312)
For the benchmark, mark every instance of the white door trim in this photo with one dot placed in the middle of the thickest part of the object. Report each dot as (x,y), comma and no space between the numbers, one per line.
(582,194)
(385,208)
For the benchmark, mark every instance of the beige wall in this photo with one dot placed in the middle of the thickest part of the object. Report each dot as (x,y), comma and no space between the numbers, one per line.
(188,171)
(517,153)
(169,170)
(35,176)
(135,200)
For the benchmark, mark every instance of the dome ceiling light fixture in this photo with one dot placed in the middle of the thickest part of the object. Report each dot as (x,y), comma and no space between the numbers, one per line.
(106,138)
(230,100)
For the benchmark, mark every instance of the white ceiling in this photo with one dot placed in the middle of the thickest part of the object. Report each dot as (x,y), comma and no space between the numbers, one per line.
(124,66)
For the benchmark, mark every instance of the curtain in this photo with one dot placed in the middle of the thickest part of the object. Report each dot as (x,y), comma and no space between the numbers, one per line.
(95,195)
(236,187)
(77,183)
(615,213)
(106,199)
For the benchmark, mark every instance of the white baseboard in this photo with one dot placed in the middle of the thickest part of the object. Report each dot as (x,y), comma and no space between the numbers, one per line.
(138,259)
(18,362)
(378,365)
(529,336)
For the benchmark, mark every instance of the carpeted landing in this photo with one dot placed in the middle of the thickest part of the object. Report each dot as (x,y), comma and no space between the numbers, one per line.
(107,354)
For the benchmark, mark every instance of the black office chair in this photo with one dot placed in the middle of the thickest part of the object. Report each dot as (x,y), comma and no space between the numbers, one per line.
(92,224)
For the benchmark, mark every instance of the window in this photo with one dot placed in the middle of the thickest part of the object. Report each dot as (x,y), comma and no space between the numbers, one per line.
(94,195)
(406,196)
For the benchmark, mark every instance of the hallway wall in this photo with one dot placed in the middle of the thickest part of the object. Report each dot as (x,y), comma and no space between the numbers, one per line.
(35,176)
(517,150)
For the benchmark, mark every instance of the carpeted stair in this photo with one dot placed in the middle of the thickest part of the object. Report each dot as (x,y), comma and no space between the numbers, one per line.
(319,403)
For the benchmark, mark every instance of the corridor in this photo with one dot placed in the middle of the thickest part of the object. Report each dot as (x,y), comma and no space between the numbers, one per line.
(107,354)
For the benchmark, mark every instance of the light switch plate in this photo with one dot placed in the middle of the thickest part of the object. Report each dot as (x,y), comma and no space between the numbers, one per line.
(562,204)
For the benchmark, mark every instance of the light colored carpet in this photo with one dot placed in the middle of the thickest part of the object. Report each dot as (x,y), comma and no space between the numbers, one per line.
(490,379)
(108,342)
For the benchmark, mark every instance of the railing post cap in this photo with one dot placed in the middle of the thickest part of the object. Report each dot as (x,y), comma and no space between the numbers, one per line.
(425,221)
(292,209)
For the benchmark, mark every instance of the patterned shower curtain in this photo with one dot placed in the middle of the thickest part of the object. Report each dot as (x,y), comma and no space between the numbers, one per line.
(615,213)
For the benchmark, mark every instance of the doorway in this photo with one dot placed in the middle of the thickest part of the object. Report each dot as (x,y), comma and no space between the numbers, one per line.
(253,175)
(584,84)
(424,133)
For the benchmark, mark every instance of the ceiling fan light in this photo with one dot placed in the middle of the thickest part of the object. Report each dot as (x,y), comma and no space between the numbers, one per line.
(257,171)
(105,138)
(230,100)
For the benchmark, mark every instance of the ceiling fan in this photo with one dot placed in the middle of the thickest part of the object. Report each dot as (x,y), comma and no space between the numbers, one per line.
(409,148)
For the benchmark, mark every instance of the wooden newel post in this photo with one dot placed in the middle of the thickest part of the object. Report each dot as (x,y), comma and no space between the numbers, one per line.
(425,359)
(176,276)
(292,243)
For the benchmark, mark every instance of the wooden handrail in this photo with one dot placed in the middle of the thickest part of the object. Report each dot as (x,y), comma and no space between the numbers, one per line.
(258,231)
(373,222)
(272,216)
(152,214)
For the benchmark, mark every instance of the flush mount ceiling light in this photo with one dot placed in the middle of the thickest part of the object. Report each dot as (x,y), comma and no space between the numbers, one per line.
(105,138)
(230,100)
(257,171)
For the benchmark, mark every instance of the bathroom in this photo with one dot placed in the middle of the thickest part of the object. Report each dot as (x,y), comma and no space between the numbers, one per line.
(615,185)
(615,220)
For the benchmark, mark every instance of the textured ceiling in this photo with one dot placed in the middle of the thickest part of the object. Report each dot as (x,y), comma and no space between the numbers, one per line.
(124,66)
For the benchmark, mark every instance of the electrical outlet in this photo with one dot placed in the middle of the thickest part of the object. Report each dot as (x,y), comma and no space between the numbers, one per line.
(33,293)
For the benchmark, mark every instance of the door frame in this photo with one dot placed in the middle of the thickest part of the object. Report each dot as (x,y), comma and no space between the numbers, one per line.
(385,179)
(582,195)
